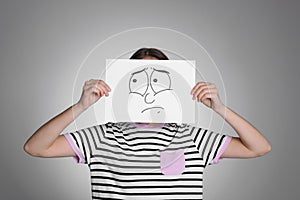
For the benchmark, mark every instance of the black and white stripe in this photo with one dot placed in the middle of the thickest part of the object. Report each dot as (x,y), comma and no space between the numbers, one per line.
(124,160)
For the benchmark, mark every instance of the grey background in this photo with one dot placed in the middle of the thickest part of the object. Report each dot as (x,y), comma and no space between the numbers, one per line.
(254,43)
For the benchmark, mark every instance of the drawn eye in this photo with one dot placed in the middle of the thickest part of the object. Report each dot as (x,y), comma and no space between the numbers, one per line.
(138,82)
(160,80)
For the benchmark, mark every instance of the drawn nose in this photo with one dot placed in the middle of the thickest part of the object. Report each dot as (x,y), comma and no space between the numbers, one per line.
(149,97)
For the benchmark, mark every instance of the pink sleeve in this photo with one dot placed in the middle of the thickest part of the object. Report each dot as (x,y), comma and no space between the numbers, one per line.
(79,157)
(218,158)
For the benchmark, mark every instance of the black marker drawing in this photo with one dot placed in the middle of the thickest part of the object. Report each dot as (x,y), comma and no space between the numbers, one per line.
(149,82)
(149,91)
(151,108)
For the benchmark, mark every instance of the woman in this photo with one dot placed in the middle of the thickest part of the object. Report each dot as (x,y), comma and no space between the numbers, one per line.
(146,160)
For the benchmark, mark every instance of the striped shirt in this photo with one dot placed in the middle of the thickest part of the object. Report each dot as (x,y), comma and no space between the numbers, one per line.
(129,161)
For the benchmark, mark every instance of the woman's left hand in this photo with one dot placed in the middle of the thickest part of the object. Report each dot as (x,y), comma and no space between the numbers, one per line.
(207,93)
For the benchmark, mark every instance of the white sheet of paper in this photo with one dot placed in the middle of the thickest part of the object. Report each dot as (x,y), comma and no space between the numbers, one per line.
(150,91)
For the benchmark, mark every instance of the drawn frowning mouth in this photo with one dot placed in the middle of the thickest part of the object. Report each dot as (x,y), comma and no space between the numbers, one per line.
(152,108)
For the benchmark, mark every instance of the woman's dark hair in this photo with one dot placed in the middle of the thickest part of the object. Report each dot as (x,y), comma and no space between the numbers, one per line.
(149,52)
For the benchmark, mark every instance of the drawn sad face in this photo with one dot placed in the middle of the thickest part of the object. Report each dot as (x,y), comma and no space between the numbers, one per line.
(151,97)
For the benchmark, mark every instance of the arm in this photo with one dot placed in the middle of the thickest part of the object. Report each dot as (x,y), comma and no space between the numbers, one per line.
(47,141)
(250,143)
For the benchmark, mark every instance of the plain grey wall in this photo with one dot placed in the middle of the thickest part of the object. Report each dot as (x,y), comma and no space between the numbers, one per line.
(254,43)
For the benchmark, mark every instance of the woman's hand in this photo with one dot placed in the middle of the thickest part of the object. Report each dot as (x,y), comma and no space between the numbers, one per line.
(92,91)
(250,143)
(47,141)
(207,93)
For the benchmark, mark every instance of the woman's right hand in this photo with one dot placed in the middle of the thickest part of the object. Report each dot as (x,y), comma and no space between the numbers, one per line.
(48,141)
(92,91)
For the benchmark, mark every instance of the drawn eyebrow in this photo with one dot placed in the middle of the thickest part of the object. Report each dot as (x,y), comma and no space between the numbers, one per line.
(160,70)
(138,72)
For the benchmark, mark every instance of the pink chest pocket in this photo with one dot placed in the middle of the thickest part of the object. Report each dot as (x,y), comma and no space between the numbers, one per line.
(172,162)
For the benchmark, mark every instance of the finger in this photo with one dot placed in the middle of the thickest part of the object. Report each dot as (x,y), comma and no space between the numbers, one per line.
(89,83)
(199,84)
(202,85)
(107,86)
(94,81)
(95,90)
(100,82)
(202,88)
(205,92)
(197,89)
(200,95)
(103,89)
(206,96)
